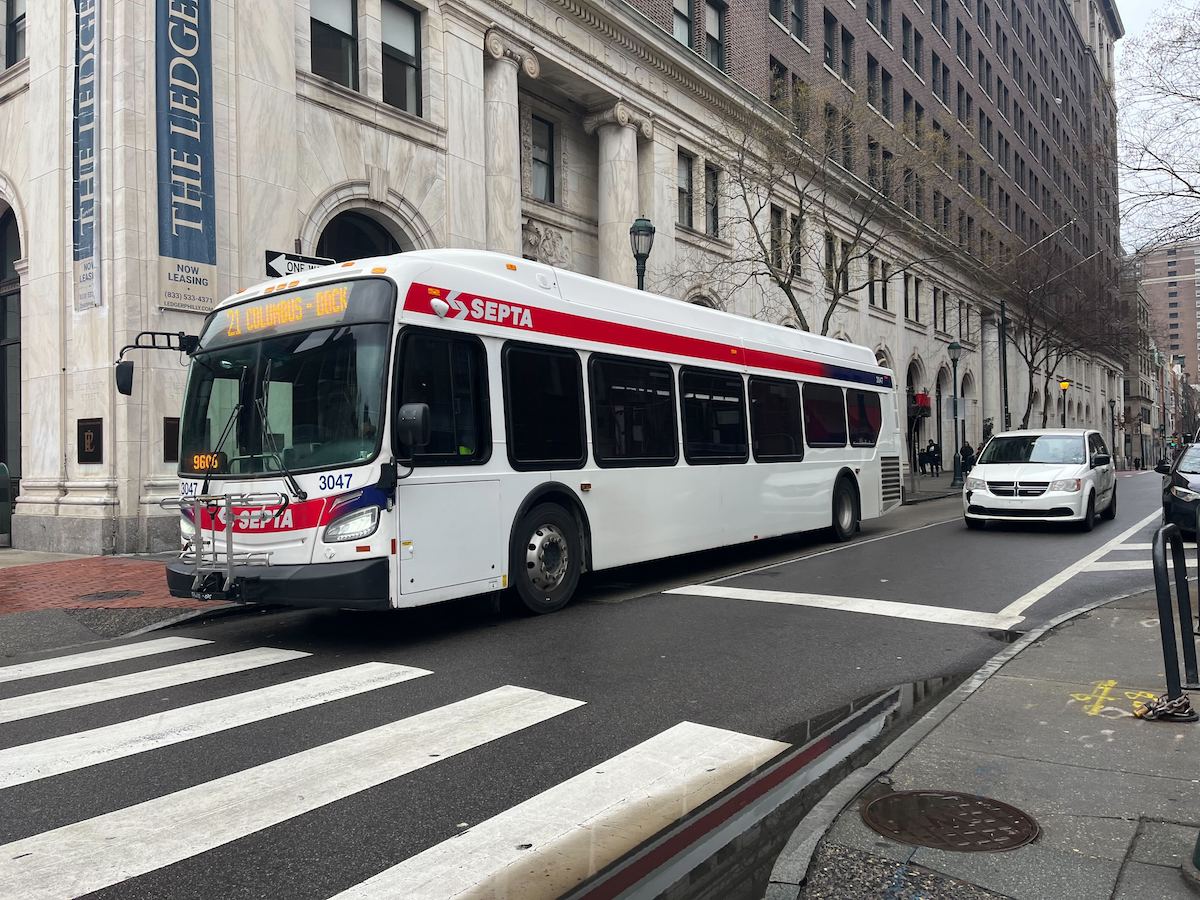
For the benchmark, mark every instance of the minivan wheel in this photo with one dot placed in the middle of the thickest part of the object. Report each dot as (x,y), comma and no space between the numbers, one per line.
(845,510)
(1089,518)
(1110,511)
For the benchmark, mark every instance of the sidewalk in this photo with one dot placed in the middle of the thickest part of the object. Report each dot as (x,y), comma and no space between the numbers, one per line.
(1052,734)
(929,487)
(51,600)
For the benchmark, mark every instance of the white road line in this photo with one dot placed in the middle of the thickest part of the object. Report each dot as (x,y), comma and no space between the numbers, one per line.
(39,704)
(1127,565)
(1026,600)
(95,658)
(850,545)
(1187,545)
(891,608)
(108,849)
(553,841)
(43,759)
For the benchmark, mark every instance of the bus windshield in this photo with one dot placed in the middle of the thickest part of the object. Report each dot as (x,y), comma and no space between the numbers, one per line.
(296,398)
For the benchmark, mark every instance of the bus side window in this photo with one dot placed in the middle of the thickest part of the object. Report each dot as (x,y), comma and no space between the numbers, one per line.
(714,416)
(775,427)
(449,374)
(824,415)
(543,407)
(865,417)
(633,412)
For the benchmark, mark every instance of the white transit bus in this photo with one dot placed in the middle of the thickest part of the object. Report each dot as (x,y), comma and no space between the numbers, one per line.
(410,429)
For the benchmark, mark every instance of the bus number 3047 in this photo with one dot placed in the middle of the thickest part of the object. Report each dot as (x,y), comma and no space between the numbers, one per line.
(334,482)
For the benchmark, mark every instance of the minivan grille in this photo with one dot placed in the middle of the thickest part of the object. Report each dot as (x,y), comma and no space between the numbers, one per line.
(890,477)
(1018,488)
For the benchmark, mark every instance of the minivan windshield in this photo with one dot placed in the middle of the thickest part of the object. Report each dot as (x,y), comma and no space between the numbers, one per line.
(1051,449)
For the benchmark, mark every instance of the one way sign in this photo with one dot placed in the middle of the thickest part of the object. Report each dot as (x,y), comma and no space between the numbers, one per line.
(280,264)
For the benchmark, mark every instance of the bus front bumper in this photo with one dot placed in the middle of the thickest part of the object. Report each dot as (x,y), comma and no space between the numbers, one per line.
(358,584)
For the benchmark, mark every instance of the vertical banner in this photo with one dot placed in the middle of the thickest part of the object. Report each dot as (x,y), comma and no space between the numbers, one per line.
(85,145)
(187,214)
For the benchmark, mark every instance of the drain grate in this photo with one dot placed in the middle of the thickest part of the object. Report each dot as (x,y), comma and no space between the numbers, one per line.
(950,821)
(108,596)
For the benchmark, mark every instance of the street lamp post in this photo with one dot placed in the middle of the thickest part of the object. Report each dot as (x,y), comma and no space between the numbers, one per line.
(1065,385)
(641,240)
(955,350)
(1112,423)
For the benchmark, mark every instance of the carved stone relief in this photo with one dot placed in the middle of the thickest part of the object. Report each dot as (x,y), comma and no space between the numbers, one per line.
(545,244)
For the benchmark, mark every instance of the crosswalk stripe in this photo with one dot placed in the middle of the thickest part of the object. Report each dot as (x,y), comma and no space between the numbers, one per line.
(54,756)
(107,849)
(1187,545)
(553,841)
(892,608)
(95,658)
(1128,565)
(57,699)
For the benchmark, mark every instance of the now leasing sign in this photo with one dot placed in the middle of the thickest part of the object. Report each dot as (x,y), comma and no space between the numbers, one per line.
(187,214)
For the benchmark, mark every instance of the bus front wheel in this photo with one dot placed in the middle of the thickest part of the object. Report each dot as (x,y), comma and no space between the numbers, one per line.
(546,559)
(845,510)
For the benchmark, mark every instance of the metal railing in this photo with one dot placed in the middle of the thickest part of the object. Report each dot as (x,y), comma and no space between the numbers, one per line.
(1174,705)
(206,555)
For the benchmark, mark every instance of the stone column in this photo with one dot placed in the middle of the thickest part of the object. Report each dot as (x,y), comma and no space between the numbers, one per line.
(990,406)
(618,193)
(502,128)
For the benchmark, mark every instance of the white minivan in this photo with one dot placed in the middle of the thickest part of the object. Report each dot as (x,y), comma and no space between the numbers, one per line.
(1048,475)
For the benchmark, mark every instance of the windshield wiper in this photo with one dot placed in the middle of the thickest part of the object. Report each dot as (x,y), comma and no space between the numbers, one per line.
(233,414)
(268,441)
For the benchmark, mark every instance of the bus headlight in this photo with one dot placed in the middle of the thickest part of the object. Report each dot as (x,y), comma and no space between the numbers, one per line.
(353,526)
(187,528)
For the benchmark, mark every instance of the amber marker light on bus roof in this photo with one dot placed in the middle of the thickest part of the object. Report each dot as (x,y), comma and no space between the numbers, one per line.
(512,267)
(293,283)
(378,270)
(346,265)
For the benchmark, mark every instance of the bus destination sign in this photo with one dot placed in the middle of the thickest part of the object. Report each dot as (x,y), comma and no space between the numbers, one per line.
(320,306)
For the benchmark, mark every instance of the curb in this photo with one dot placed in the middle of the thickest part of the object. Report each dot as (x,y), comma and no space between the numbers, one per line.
(791,866)
(192,615)
(913,501)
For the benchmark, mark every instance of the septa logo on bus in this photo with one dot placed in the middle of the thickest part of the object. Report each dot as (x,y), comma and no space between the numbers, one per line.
(307,514)
(462,305)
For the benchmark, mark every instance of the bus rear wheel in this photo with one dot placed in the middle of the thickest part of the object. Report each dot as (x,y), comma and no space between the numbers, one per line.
(546,559)
(845,510)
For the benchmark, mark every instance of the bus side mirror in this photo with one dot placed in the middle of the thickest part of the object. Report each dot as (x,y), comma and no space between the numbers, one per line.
(124,376)
(413,427)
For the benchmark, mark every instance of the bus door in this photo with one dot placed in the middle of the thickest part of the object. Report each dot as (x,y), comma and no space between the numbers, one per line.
(449,530)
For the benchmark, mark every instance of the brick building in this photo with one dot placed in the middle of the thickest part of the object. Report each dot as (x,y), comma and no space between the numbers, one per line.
(1168,279)
(152,152)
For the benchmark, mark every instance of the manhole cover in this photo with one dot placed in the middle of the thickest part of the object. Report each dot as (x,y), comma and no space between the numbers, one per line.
(948,821)
(107,596)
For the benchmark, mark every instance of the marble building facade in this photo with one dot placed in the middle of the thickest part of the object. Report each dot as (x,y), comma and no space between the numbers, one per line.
(540,128)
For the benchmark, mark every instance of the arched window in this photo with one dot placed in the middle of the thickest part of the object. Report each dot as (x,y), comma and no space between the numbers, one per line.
(702,300)
(355,235)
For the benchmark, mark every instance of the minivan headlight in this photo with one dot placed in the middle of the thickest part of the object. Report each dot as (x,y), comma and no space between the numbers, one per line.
(353,526)
(1070,485)
(974,484)
(1184,494)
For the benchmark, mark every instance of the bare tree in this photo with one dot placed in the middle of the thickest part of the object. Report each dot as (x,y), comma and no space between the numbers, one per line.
(799,223)
(1159,133)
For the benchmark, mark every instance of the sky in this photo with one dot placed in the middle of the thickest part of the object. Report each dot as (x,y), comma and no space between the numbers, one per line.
(1135,14)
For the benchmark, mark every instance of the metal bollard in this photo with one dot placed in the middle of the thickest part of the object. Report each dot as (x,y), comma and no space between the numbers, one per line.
(1174,706)
(5,502)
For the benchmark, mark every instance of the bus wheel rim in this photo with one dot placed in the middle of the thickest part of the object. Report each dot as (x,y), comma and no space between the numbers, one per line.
(547,558)
(845,512)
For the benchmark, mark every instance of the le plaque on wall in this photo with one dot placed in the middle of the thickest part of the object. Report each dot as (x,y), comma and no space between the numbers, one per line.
(89,441)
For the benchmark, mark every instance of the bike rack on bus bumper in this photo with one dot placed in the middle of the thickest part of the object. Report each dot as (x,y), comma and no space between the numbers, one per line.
(256,507)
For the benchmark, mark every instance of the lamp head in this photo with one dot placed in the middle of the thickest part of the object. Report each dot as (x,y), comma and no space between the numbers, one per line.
(955,350)
(641,238)
(1064,384)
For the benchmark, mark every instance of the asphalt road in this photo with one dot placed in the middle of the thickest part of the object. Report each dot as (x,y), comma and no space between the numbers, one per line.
(585,728)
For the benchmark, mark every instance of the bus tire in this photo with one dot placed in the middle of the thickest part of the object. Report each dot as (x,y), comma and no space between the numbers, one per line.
(845,510)
(545,560)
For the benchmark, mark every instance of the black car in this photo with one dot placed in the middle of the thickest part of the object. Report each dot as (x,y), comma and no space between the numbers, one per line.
(1181,488)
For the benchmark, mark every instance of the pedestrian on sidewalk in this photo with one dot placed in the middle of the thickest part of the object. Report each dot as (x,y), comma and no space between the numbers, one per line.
(968,457)
(935,457)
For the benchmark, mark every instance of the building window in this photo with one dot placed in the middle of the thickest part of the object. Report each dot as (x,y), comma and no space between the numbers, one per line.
(714,34)
(542,160)
(683,179)
(847,56)
(872,274)
(796,243)
(776,237)
(712,218)
(335,41)
(879,14)
(401,57)
(15,33)
(799,23)
(830,38)
(683,22)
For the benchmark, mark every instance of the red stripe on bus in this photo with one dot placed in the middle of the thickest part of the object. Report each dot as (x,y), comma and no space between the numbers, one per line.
(569,325)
